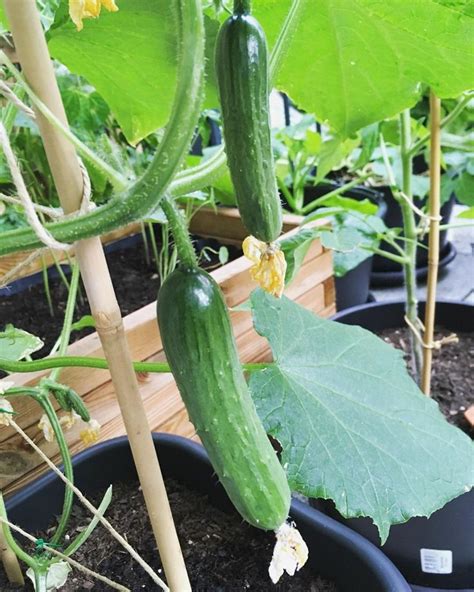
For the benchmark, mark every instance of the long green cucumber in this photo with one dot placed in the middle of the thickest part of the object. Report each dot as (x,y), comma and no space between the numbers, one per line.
(242,75)
(201,351)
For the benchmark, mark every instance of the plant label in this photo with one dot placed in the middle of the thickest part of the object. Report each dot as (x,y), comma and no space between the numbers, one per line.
(436,561)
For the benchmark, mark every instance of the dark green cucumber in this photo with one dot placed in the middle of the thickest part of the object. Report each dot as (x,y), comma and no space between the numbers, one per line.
(242,75)
(200,347)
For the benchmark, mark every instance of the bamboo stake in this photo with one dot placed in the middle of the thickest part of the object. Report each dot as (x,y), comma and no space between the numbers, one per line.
(34,57)
(11,565)
(433,244)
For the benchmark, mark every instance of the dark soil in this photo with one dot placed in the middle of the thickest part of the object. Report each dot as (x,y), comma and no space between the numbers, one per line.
(136,284)
(221,552)
(452,383)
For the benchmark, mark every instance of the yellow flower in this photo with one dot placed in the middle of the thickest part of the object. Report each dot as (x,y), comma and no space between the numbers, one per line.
(91,434)
(6,410)
(269,265)
(80,9)
(46,427)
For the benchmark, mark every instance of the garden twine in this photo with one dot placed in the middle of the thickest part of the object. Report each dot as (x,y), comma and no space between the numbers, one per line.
(24,197)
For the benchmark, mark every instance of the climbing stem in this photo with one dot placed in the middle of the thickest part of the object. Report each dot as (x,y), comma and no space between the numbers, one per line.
(410,233)
(85,362)
(242,6)
(14,546)
(179,229)
(68,317)
(43,400)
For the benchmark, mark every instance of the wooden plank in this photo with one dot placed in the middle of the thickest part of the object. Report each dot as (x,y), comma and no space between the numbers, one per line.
(330,290)
(469,415)
(225,225)
(8,262)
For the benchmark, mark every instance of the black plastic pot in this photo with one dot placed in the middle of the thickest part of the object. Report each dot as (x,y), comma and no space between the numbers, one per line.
(389,273)
(336,552)
(449,529)
(353,288)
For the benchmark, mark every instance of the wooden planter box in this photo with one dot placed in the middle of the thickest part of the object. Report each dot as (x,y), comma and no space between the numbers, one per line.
(313,288)
(9,262)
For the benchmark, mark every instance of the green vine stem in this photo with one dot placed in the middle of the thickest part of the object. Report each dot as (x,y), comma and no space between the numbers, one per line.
(146,193)
(10,539)
(242,6)
(68,317)
(85,362)
(421,143)
(43,400)
(179,229)
(410,232)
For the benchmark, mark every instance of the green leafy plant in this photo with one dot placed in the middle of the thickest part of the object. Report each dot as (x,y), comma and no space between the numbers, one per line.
(327,375)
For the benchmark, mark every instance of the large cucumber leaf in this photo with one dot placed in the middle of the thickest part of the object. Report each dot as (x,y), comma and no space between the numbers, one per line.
(130,57)
(353,425)
(351,63)
(354,63)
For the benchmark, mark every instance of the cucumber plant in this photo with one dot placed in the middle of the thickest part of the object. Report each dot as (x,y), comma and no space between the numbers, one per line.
(195,324)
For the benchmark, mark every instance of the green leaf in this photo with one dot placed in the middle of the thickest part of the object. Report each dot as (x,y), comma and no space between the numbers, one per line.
(341,239)
(465,189)
(16,344)
(352,424)
(3,18)
(130,58)
(370,140)
(469,213)
(354,63)
(295,248)
(332,154)
(223,255)
(345,262)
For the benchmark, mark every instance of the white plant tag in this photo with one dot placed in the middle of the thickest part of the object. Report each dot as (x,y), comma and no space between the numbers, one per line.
(290,552)
(436,561)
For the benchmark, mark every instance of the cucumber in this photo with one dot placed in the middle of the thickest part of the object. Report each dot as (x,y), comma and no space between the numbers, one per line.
(199,344)
(242,75)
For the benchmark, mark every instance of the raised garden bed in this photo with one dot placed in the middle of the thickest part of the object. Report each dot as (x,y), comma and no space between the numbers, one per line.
(313,288)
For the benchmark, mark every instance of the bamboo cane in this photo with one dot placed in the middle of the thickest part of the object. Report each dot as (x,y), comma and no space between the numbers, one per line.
(433,245)
(10,562)
(34,57)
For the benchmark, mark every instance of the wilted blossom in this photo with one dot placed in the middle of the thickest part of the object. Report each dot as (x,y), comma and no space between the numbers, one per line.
(269,265)
(81,9)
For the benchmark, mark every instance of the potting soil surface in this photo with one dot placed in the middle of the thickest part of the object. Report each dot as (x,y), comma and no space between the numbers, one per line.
(222,553)
(136,283)
(452,381)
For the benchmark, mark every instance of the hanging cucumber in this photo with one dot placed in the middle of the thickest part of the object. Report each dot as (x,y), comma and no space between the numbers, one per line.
(242,74)
(200,348)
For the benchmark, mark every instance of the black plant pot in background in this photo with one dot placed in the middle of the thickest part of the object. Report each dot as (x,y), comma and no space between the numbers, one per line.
(353,288)
(386,272)
(449,532)
(336,552)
